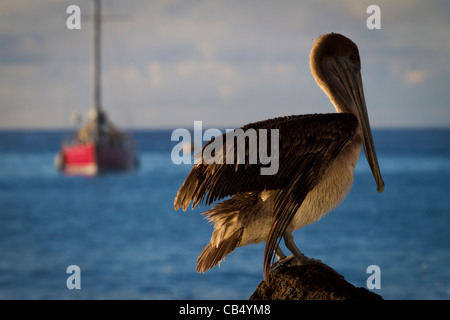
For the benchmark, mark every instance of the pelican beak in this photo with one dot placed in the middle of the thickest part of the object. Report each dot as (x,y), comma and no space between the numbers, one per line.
(352,93)
(369,147)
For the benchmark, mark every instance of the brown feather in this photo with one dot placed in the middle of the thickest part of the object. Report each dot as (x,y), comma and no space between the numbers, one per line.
(299,136)
(307,145)
(212,255)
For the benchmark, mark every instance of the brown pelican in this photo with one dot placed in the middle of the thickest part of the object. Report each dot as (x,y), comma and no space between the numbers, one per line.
(317,157)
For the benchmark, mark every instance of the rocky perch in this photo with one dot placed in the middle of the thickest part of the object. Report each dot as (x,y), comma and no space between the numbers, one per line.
(312,282)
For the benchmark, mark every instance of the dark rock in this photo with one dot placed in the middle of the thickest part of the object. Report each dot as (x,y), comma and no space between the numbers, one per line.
(311,282)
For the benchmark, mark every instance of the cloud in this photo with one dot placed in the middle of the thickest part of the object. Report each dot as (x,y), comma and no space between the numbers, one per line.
(170,61)
(20,50)
(416,76)
(409,72)
(227,92)
(155,75)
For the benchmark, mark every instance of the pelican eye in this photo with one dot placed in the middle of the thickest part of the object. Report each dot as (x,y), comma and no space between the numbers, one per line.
(352,57)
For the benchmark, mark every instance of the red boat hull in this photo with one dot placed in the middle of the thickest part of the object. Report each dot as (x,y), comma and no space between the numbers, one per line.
(91,159)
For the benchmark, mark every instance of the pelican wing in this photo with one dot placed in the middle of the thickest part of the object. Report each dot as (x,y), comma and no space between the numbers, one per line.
(308,144)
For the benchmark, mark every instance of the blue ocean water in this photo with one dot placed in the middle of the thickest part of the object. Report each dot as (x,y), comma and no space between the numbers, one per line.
(123,233)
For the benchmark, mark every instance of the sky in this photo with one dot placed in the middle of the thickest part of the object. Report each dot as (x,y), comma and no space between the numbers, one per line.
(169,63)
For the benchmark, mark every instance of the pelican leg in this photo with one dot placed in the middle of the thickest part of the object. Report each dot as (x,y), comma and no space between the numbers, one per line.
(300,258)
(282,259)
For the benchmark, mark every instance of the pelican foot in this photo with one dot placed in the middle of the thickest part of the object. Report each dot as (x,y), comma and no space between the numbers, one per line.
(292,261)
(305,261)
(284,261)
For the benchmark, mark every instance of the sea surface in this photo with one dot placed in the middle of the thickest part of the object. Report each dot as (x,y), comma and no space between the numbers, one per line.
(123,233)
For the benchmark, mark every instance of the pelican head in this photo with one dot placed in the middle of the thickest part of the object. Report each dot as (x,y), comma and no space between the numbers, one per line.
(336,66)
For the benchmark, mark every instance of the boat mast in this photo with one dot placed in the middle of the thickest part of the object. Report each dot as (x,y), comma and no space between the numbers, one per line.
(96,54)
(96,81)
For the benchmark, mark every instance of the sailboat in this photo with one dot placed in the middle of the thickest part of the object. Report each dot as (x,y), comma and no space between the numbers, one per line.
(99,146)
